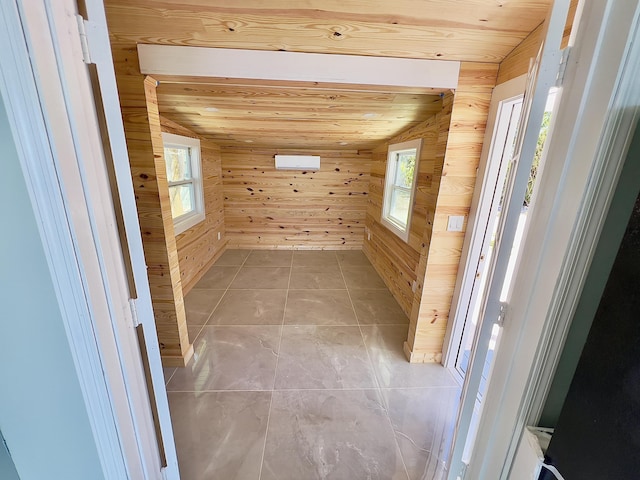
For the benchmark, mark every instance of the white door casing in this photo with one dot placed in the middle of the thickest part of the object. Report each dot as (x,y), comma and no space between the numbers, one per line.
(542,77)
(47,91)
(594,120)
(488,171)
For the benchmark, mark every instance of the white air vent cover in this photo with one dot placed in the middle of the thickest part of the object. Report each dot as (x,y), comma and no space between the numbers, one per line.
(297,162)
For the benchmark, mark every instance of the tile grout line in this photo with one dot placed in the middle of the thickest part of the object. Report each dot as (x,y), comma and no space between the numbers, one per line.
(375,376)
(275,370)
(213,310)
(175,369)
(436,387)
(220,300)
(350,389)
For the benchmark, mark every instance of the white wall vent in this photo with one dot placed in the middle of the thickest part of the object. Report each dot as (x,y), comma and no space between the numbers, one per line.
(297,162)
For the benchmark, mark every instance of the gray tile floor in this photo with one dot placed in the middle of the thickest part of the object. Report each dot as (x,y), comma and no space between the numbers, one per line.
(299,374)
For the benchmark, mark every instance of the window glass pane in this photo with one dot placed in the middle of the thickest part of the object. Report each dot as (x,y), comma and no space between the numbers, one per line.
(399,206)
(405,168)
(182,200)
(178,163)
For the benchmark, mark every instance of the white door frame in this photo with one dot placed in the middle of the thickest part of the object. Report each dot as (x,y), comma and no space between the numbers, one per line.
(542,76)
(47,93)
(478,216)
(594,122)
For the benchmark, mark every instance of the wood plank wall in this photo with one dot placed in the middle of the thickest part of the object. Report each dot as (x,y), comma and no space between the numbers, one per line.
(199,246)
(144,143)
(517,62)
(395,260)
(470,109)
(281,209)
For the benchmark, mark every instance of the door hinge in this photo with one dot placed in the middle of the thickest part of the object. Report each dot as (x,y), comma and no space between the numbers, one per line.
(134,312)
(503,313)
(94,41)
(84,40)
(463,471)
(564,59)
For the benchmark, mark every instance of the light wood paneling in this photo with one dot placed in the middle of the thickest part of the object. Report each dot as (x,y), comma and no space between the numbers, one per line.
(288,209)
(199,246)
(397,261)
(144,143)
(466,30)
(311,116)
(460,149)
(517,62)
(285,117)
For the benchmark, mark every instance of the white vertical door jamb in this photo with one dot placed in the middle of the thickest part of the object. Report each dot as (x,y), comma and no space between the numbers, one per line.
(67,104)
(543,77)
(478,216)
(100,52)
(41,166)
(594,123)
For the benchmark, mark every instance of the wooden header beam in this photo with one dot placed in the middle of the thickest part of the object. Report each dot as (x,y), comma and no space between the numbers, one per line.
(297,67)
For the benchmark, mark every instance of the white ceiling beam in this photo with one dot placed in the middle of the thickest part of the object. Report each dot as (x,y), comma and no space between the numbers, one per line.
(297,67)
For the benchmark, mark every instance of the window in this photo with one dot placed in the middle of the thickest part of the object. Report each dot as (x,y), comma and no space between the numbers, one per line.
(399,186)
(184,175)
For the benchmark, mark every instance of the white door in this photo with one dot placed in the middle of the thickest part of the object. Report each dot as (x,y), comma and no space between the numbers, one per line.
(485,225)
(542,76)
(58,75)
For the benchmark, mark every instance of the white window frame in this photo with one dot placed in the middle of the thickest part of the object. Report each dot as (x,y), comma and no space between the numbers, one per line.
(188,220)
(386,220)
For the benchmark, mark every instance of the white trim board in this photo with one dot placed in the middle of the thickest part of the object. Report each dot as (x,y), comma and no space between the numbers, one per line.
(297,67)
(479,209)
(40,168)
(593,126)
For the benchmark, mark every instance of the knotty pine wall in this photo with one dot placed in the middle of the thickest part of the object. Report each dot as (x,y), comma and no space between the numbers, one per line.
(396,260)
(462,149)
(290,209)
(141,120)
(199,246)
(517,62)
(446,179)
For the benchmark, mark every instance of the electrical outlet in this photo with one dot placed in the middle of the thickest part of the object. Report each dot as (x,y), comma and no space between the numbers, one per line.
(456,223)
(219,235)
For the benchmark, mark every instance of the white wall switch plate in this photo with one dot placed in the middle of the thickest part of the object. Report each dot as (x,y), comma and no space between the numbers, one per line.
(455,223)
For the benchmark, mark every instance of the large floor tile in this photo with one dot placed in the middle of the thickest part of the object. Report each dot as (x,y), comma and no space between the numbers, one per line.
(219,435)
(328,277)
(250,307)
(269,258)
(230,358)
(377,307)
(330,435)
(319,307)
(199,303)
(323,357)
(353,258)
(262,277)
(314,258)
(217,277)
(232,258)
(362,278)
(424,421)
(384,343)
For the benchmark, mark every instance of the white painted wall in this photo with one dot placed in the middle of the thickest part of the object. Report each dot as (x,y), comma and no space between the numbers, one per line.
(42,412)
